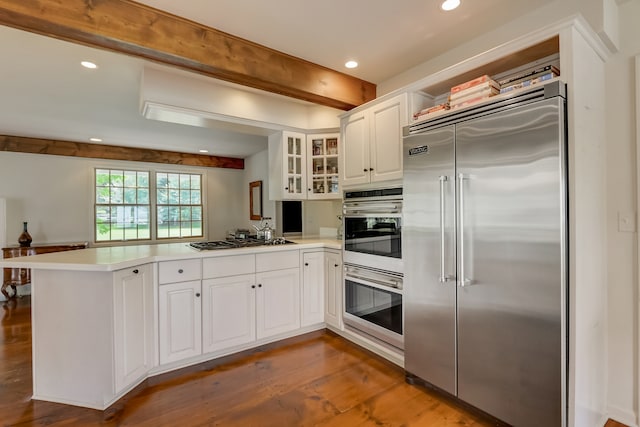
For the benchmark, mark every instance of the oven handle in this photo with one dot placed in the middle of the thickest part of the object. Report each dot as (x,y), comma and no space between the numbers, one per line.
(381,281)
(372,208)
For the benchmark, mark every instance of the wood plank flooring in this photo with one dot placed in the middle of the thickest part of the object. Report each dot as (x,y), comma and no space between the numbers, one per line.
(318,379)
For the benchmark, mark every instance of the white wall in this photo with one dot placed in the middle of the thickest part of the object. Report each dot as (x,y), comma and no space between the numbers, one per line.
(257,169)
(622,193)
(54,194)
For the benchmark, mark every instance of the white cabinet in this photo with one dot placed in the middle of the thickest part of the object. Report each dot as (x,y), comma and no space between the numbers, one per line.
(249,297)
(313,284)
(179,309)
(333,288)
(372,143)
(133,324)
(287,166)
(180,321)
(228,312)
(277,302)
(323,166)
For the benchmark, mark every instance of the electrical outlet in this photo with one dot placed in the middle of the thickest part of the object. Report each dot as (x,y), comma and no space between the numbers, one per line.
(627,222)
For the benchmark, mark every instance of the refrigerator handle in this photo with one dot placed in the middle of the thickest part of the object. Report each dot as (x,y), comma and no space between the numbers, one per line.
(443,276)
(461,178)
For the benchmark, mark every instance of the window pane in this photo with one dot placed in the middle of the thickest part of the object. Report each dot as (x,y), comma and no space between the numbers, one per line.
(185,197)
(102,195)
(174,180)
(130,178)
(121,210)
(143,179)
(130,196)
(116,195)
(163,196)
(183,203)
(143,196)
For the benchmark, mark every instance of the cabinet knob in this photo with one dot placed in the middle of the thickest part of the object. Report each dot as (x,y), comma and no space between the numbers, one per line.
(197,294)
(370,169)
(259,285)
(253,286)
(135,271)
(336,265)
(306,263)
(181,271)
(286,188)
(365,170)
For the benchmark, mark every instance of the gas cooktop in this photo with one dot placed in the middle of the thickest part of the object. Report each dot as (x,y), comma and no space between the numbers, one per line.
(232,243)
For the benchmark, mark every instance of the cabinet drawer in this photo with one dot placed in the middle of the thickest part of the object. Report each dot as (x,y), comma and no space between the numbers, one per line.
(277,260)
(179,271)
(228,266)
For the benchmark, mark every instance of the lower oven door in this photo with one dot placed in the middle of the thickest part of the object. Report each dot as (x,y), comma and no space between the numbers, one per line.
(373,303)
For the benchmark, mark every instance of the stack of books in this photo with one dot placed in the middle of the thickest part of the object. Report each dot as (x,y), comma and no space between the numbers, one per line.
(430,110)
(473,91)
(528,78)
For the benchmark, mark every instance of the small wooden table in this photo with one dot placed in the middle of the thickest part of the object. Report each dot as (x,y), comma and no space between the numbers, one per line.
(21,276)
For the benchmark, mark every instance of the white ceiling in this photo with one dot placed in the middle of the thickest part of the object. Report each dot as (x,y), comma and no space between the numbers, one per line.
(44,93)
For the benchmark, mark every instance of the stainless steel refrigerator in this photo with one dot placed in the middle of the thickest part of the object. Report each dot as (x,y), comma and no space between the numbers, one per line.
(485,254)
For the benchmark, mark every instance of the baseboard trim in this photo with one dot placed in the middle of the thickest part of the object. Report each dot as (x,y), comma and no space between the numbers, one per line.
(624,416)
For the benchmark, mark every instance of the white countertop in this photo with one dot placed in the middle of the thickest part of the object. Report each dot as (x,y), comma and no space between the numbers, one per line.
(118,257)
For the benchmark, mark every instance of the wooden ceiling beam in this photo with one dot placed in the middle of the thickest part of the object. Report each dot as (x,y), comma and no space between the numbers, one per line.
(131,28)
(20,144)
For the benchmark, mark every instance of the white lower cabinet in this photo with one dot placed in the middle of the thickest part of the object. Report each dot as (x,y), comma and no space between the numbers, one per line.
(133,324)
(333,289)
(180,324)
(313,279)
(277,302)
(228,312)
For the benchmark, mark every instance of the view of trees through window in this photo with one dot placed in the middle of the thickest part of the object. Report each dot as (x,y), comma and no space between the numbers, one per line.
(179,205)
(124,204)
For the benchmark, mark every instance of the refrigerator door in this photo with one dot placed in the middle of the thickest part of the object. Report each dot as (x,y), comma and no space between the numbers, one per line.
(428,249)
(512,263)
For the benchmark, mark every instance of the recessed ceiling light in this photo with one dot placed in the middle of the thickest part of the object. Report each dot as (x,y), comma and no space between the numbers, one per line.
(203,151)
(450,4)
(88,64)
(351,64)
(95,139)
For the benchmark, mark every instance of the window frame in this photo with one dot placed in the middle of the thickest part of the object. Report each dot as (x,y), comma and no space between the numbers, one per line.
(152,171)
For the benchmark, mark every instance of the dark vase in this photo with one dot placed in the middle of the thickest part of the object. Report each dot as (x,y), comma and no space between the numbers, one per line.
(25,237)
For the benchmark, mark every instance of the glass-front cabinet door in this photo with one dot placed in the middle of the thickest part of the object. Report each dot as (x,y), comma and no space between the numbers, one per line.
(322,166)
(294,153)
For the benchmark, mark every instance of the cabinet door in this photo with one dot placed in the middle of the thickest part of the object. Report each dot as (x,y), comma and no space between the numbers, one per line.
(228,312)
(386,121)
(294,173)
(133,324)
(312,288)
(277,302)
(354,153)
(180,321)
(323,167)
(333,289)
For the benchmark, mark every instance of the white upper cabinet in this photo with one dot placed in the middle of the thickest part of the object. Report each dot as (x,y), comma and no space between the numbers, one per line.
(287,166)
(372,143)
(303,166)
(322,167)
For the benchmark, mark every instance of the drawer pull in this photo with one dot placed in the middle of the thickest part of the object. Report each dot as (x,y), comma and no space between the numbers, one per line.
(336,265)
(197,294)
(181,271)
(135,271)
(306,264)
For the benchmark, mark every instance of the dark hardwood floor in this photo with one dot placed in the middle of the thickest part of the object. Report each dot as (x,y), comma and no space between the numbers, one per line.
(318,379)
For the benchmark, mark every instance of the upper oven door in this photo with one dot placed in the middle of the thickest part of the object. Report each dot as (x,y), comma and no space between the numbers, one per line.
(372,234)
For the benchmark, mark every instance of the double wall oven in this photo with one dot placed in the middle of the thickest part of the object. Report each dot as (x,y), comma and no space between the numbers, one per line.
(372,255)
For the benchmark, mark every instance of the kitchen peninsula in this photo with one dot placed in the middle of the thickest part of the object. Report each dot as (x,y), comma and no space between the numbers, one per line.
(104,319)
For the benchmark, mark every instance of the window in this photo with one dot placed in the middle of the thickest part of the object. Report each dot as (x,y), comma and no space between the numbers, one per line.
(122,205)
(179,205)
(126,201)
